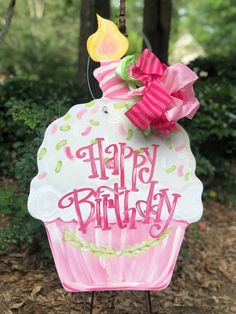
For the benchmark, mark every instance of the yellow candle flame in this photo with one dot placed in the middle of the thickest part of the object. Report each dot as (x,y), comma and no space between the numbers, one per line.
(107,43)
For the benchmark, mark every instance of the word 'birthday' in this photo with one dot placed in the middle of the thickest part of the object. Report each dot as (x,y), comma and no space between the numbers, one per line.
(100,203)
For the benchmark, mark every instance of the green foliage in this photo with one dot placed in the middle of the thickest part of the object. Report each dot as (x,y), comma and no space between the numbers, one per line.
(210,22)
(27,108)
(19,227)
(213,129)
(42,41)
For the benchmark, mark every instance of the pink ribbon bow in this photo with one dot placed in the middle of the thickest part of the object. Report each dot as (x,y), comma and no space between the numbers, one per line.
(167,94)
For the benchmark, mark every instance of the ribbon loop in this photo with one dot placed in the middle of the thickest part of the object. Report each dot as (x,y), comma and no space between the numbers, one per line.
(167,95)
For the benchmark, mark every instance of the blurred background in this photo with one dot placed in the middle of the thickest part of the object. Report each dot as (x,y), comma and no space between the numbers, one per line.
(43,62)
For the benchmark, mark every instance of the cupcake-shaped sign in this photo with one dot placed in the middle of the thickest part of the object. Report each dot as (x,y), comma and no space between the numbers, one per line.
(116,185)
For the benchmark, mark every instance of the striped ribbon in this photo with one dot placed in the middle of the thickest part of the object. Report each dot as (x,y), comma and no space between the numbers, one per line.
(168,94)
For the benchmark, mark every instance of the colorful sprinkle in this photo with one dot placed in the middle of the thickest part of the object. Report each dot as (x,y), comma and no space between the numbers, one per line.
(81,113)
(90,104)
(67,117)
(58,166)
(60,144)
(139,151)
(68,153)
(129,135)
(128,106)
(94,122)
(180,147)
(122,130)
(147,132)
(54,128)
(168,143)
(87,130)
(42,175)
(119,106)
(105,159)
(180,171)
(95,109)
(176,130)
(94,141)
(65,128)
(171,169)
(42,153)
(186,176)
(110,163)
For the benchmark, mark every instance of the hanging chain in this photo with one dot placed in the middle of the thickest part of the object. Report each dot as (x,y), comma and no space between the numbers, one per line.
(122,21)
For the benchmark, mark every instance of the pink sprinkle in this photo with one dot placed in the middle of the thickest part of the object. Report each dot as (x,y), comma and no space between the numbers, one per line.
(69,154)
(54,129)
(110,164)
(180,147)
(87,131)
(81,113)
(122,130)
(180,171)
(42,175)
(95,109)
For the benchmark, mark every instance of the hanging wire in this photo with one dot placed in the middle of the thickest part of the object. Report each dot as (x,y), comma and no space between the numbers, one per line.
(88,78)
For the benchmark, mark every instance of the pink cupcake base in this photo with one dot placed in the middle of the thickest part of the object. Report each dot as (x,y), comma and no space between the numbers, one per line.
(81,270)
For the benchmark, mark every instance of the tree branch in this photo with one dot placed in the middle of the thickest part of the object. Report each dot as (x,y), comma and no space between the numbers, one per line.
(8,18)
(122,21)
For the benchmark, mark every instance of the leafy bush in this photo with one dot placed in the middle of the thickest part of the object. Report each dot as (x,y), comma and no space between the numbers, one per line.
(27,107)
(213,129)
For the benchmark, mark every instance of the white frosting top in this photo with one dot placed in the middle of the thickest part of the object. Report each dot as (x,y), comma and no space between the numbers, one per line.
(61,169)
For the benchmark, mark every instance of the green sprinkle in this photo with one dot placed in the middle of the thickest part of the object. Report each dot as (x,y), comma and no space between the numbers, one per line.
(105,159)
(58,166)
(186,176)
(168,143)
(90,104)
(171,169)
(139,151)
(147,132)
(94,141)
(119,106)
(94,122)
(65,128)
(67,117)
(60,144)
(129,135)
(128,106)
(42,153)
